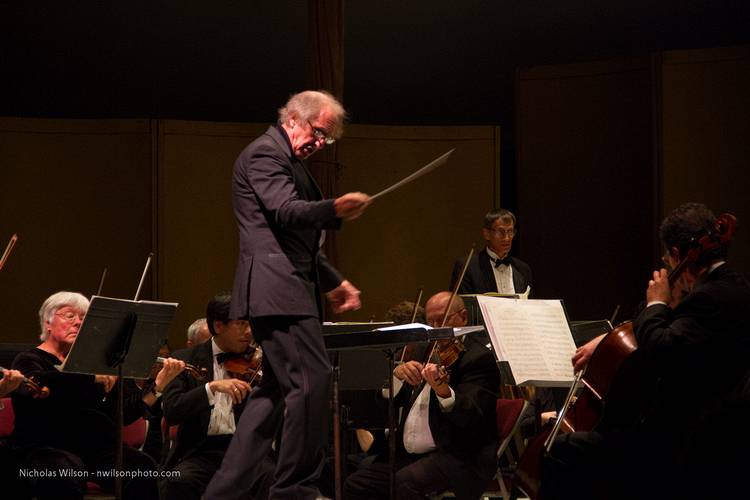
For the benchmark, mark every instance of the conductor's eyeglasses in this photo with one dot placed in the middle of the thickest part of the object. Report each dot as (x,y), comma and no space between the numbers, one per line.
(320,134)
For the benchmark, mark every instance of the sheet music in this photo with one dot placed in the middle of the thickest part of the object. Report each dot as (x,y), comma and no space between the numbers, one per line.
(533,336)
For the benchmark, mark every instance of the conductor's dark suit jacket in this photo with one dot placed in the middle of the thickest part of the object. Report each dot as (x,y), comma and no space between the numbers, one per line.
(186,404)
(480,277)
(281,216)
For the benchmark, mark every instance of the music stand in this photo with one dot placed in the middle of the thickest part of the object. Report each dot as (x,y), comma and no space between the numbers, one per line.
(119,337)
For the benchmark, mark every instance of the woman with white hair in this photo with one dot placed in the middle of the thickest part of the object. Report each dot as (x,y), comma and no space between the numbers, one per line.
(67,439)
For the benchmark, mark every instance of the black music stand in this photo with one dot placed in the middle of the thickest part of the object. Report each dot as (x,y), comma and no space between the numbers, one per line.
(119,337)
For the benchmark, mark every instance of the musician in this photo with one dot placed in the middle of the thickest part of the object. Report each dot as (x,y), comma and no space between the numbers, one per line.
(198,332)
(10,381)
(281,270)
(447,439)
(73,429)
(493,269)
(401,313)
(694,340)
(207,411)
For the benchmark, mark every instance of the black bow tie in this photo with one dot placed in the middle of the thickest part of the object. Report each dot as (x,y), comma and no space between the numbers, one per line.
(505,261)
(223,356)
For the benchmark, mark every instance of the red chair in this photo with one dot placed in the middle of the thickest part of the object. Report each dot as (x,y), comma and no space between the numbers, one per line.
(7,418)
(134,435)
(509,413)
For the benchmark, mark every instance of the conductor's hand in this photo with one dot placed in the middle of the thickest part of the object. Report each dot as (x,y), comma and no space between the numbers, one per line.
(410,372)
(351,205)
(344,297)
(236,388)
(583,354)
(171,368)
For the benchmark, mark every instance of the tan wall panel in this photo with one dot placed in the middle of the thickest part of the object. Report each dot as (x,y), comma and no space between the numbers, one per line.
(197,233)
(78,193)
(411,237)
(706,125)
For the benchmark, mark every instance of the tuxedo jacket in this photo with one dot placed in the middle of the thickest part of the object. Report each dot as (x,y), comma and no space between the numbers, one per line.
(480,277)
(699,353)
(281,215)
(471,425)
(185,403)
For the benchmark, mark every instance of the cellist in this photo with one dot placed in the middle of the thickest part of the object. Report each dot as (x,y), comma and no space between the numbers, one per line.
(693,340)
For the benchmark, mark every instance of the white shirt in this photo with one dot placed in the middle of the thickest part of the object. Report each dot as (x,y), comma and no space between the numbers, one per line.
(222,413)
(503,275)
(417,434)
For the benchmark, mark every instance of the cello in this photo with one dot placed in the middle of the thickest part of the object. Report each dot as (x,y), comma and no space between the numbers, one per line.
(611,381)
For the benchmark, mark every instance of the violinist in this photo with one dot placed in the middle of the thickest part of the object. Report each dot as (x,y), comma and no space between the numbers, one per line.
(690,438)
(447,439)
(198,332)
(73,428)
(207,411)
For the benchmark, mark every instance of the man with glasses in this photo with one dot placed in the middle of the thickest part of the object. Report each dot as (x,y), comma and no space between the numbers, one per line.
(447,437)
(493,269)
(282,218)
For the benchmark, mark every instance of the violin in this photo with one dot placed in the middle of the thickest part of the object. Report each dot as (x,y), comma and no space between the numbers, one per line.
(197,372)
(246,365)
(33,388)
(612,376)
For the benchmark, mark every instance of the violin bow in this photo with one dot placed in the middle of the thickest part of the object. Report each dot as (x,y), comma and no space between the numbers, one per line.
(8,249)
(101,281)
(143,276)
(416,305)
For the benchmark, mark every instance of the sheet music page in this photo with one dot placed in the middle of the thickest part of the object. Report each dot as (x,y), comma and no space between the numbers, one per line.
(533,336)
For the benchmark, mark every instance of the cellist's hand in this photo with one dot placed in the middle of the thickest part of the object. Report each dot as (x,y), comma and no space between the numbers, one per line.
(659,289)
(583,354)
(410,372)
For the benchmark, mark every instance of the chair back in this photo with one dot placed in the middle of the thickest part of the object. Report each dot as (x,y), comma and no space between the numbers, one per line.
(508,416)
(134,435)
(7,417)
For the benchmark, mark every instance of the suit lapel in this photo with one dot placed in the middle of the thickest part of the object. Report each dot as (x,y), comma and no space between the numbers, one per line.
(488,274)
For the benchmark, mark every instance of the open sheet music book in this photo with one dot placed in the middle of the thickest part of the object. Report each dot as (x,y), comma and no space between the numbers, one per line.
(533,336)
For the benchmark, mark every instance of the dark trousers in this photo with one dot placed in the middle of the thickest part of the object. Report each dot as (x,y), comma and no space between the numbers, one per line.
(295,385)
(421,475)
(188,479)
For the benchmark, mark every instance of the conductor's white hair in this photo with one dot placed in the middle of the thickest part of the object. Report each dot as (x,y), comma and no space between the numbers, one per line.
(307,105)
